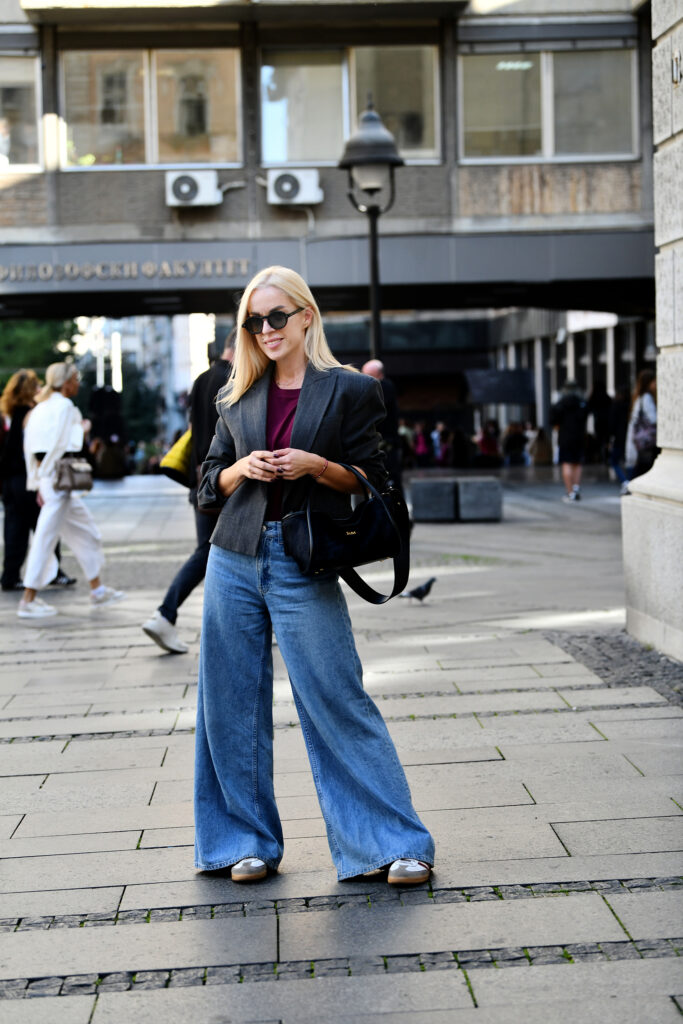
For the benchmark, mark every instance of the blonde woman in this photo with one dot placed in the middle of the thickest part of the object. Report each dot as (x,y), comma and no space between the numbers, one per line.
(54,429)
(288,417)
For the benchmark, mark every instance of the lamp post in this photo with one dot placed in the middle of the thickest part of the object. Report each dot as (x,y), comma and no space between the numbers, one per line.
(370,157)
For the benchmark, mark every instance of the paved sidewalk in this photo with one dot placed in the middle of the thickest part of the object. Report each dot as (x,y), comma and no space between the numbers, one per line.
(553,790)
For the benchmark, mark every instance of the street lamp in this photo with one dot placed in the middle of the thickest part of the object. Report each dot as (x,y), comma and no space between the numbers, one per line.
(370,157)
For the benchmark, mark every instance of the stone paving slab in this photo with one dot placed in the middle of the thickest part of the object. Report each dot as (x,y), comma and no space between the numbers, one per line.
(581,917)
(463,704)
(84,756)
(622,696)
(660,915)
(93,842)
(103,950)
(653,729)
(8,824)
(68,1010)
(548,983)
(290,1000)
(451,871)
(116,819)
(118,868)
(557,791)
(60,901)
(463,732)
(89,724)
(640,835)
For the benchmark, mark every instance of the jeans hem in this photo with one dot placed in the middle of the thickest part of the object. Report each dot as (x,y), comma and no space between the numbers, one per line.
(272,864)
(384,862)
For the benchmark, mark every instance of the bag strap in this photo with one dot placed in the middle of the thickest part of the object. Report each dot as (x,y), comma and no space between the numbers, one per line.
(401,560)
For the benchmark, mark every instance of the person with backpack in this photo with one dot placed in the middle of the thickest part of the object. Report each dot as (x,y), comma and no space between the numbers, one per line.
(641,438)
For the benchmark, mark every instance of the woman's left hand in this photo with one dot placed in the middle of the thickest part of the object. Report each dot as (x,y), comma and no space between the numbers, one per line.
(292,463)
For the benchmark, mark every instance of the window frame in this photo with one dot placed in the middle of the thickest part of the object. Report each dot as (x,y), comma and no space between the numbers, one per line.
(349,100)
(39,165)
(150,115)
(547,154)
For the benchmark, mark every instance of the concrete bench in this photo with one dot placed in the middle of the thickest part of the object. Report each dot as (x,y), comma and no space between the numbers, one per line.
(457,499)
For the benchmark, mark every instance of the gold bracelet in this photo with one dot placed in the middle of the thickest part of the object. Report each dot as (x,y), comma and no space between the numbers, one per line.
(318,475)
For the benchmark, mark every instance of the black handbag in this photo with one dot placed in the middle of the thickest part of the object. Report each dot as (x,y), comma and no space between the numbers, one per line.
(378,528)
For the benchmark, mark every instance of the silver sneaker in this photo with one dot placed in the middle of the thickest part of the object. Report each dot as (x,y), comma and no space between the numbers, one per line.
(105,595)
(408,872)
(35,609)
(250,869)
(164,633)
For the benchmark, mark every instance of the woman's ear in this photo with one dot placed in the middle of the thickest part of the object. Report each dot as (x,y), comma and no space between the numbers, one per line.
(308,317)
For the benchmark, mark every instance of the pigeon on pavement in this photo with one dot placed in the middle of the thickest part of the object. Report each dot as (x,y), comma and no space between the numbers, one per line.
(420,592)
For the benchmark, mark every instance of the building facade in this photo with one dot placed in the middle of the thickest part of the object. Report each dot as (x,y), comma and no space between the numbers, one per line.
(652,517)
(154,156)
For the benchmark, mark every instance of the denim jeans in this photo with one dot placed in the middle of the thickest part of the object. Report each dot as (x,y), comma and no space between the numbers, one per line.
(361,786)
(191,573)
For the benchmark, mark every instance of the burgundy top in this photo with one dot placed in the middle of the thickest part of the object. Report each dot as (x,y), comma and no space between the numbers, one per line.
(282,403)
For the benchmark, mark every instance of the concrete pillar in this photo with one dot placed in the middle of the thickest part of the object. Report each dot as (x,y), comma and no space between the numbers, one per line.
(610,364)
(652,517)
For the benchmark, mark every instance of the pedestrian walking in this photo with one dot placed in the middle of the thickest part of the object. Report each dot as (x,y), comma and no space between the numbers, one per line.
(388,428)
(55,428)
(203,415)
(287,419)
(20,505)
(569,416)
(617,430)
(641,438)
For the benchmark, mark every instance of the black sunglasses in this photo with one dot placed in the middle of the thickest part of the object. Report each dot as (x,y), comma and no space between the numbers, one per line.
(276,318)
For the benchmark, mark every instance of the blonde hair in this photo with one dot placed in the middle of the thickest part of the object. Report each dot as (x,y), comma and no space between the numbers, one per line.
(20,390)
(250,361)
(56,376)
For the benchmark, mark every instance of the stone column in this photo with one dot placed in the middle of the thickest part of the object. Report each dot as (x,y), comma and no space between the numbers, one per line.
(652,516)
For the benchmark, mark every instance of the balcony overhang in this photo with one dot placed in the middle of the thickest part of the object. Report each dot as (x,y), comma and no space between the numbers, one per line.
(102,12)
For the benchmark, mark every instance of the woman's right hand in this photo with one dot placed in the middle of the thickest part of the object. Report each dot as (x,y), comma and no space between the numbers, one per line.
(256,466)
(251,467)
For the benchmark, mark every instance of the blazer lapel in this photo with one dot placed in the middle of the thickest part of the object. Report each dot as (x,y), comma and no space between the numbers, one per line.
(316,393)
(253,408)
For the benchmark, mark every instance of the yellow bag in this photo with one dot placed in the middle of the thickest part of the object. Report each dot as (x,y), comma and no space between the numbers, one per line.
(176,462)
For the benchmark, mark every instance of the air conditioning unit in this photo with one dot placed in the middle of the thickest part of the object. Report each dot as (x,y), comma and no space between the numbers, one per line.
(192,188)
(287,188)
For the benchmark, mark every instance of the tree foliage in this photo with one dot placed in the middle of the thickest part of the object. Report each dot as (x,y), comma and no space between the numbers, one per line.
(32,344)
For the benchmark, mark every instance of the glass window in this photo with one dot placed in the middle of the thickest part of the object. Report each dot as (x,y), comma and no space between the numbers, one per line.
(502,105)
(104,107)
(592,101)
(197,106)
(401,80)
(18,114)
(302,108)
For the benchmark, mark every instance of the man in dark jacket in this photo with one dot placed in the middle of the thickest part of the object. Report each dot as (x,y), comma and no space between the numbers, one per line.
(569,416)
(203,415)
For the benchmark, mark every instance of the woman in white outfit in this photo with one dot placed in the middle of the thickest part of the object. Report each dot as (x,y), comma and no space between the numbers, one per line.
(54,429)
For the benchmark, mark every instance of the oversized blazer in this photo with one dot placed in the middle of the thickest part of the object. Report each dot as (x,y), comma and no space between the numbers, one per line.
(337,417)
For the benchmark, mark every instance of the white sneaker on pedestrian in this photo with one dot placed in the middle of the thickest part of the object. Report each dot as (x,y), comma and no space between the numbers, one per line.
(35,609)
(165,634)
(249,869)
(407,871)
(105,595)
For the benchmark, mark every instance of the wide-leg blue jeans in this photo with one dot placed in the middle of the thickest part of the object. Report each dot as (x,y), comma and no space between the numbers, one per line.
(361,786)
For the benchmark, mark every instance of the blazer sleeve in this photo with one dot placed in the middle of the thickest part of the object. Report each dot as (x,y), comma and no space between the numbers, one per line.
(221,454)
(361,439)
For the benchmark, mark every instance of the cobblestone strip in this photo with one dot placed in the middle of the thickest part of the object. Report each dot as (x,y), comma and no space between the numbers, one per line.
(136,733)
(620,660)
(299,905)
(469,959)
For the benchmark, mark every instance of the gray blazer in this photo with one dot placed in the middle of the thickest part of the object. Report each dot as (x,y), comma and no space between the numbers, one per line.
(337,417)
